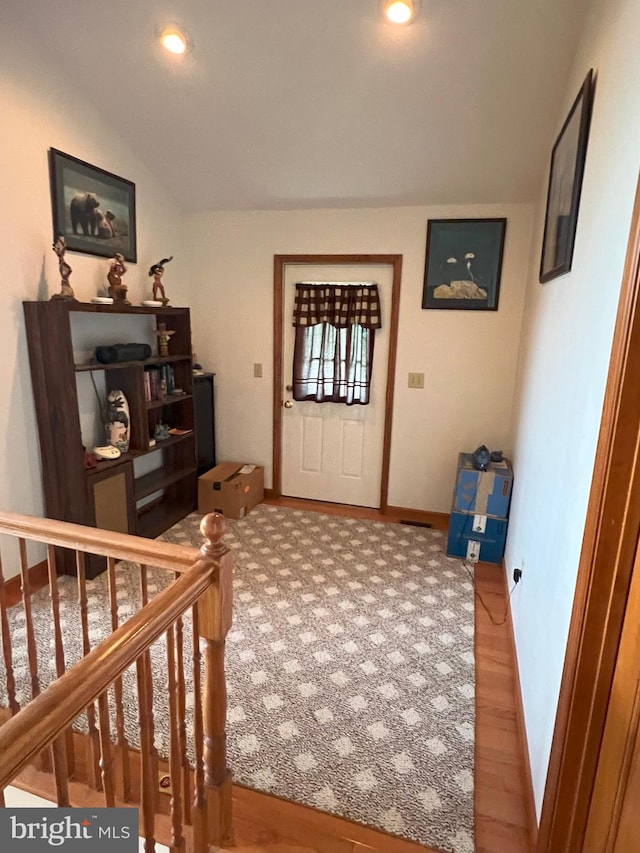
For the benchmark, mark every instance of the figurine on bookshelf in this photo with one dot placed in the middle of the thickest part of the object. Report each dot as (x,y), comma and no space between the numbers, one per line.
(161,432)
(164,336)
(66,291)
(118,425)
(157,271)
(117,290)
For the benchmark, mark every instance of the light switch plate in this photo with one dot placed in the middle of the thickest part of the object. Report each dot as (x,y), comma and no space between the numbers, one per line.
(257,371)
(416,380)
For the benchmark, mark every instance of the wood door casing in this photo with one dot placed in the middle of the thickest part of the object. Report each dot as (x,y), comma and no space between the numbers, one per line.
(331,451)
(614,817)
(279,263)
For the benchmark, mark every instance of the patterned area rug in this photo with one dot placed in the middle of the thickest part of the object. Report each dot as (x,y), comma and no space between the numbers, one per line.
(351,670)
(350,667)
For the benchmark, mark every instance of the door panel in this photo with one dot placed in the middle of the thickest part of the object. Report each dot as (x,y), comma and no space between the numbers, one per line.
(331,451)
(351,447)
(312,439)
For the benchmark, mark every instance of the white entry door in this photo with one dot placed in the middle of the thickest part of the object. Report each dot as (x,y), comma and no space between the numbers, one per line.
(331,451)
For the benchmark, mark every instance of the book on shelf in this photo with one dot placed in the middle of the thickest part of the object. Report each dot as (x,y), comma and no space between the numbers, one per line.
(159,381)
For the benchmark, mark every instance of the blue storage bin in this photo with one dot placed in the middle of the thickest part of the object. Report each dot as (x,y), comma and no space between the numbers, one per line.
(461,532)
(483,492)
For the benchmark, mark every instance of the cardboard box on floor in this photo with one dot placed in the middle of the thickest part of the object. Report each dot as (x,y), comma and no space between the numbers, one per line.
(231,488)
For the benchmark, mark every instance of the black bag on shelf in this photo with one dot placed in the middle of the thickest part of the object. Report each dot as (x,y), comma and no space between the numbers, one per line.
(123,352)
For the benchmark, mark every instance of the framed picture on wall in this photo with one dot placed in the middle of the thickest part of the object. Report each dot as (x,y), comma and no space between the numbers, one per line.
(565,184)
(463,264)
(93,209)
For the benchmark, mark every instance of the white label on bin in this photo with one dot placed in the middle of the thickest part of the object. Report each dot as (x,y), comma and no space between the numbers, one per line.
(473,551)
(479,523)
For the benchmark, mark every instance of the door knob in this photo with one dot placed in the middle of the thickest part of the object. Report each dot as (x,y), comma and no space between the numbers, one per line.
(288,404)
(289,388)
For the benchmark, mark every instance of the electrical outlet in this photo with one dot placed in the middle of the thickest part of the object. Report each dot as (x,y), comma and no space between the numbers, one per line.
(416,380)
(517,572)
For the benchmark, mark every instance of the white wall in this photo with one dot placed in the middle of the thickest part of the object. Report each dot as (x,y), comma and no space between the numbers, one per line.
(468,357)
(41,110)
(567,333)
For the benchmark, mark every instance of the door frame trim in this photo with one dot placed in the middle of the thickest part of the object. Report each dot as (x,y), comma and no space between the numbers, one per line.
(604,576)
(279,263)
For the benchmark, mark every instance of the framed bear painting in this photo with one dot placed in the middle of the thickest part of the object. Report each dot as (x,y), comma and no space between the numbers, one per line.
(94,210)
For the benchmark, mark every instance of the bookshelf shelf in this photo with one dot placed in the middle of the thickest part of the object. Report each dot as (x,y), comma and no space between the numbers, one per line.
(124,365)
(160,479)
(168,401)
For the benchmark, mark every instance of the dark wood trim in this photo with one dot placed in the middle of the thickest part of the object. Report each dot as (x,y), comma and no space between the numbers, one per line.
(38,578)
(391,377)
(395,514)
(437,520)
(279,263)
(606,562)
(527,778)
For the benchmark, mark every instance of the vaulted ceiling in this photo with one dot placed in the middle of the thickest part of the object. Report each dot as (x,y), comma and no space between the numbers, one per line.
(319,103)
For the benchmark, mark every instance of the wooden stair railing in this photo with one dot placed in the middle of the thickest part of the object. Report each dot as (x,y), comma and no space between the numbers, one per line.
(200,805)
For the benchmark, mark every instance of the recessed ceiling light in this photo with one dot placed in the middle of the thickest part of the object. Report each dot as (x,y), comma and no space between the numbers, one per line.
(400,11)
(174,40)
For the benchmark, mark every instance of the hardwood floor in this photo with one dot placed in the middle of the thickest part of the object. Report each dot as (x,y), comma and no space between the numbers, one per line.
(266,824)
(502,797)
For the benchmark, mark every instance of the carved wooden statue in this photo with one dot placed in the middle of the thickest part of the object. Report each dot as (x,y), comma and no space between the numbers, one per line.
(66,291)
(157,271)
(117,290)
(164,336)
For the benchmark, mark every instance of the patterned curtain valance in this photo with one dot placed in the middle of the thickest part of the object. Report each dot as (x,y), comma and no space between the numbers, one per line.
(339,305)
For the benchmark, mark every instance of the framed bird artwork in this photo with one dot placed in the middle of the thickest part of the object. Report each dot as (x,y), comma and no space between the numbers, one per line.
(463,264)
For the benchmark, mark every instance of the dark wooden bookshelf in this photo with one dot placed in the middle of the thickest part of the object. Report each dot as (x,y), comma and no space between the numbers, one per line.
(88,496)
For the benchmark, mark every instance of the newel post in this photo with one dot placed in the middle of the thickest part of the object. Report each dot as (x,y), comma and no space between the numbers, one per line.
(215,613)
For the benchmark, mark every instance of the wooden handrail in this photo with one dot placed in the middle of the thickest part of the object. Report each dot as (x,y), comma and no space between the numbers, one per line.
(105,543)
(45,717)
